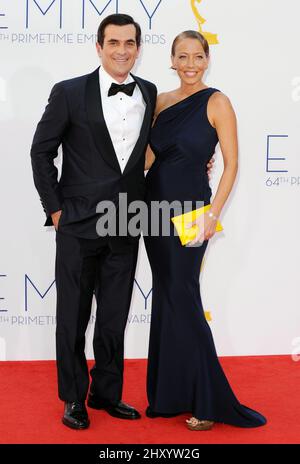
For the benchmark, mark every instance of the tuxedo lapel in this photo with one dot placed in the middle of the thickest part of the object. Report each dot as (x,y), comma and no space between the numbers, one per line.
(97,122)
(144,132)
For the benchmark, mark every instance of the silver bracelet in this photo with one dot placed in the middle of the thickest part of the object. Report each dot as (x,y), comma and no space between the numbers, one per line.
(211,215)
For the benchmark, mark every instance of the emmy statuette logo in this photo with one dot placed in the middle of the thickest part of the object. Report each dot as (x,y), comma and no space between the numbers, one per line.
(211,38)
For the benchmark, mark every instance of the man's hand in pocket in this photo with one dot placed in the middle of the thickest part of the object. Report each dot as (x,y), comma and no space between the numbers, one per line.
(55,218)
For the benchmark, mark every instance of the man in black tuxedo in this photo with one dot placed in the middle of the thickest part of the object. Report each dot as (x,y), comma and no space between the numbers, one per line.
(102,120)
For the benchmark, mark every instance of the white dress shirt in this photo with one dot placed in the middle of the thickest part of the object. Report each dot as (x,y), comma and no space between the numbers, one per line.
(123,116)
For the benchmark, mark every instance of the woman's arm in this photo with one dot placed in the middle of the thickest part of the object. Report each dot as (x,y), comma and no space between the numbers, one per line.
(160,103)
(150,158)
(221,115)
(224,120)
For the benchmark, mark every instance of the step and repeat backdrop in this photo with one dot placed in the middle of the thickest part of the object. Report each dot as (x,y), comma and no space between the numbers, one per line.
(250,279)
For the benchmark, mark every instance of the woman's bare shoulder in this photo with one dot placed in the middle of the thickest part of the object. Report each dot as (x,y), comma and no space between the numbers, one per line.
(219,108)
(219,100)
(164,100)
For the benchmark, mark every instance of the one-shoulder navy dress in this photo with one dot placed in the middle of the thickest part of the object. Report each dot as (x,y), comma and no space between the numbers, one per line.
(184,373)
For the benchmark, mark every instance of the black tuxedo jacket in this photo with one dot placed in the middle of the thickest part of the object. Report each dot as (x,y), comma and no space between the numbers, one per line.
(91,173)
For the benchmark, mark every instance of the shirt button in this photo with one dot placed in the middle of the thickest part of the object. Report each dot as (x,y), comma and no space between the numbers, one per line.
(123,139)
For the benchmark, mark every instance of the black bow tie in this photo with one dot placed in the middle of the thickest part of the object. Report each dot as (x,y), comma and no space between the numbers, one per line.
(125,88)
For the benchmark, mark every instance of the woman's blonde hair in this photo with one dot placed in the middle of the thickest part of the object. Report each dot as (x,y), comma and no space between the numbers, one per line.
(191,35)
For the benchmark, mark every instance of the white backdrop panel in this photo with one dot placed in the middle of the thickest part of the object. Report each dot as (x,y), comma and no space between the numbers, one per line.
(250,278)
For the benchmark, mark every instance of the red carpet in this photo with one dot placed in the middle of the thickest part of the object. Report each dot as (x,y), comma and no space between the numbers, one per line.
(31,412)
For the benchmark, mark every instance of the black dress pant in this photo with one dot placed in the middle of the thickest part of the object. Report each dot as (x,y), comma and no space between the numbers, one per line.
(84,267)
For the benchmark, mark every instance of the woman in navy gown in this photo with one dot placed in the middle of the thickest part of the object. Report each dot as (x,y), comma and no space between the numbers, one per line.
(184,374)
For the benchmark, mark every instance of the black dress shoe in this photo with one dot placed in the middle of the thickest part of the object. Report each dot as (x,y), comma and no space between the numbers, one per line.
(75,415)
(152,414)
(117,409)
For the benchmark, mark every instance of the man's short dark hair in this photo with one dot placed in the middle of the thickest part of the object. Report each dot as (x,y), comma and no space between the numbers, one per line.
(118,20)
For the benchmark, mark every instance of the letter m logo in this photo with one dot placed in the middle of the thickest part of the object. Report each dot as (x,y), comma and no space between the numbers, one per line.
(42,295)
(46,5)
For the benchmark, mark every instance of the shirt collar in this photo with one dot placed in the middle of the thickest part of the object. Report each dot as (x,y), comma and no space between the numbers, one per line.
(106,79)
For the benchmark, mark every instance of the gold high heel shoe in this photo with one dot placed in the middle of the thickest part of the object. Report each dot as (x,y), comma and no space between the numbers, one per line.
(196,424)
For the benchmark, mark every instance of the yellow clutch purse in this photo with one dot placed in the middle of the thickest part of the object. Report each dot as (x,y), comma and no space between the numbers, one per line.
(180,222)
